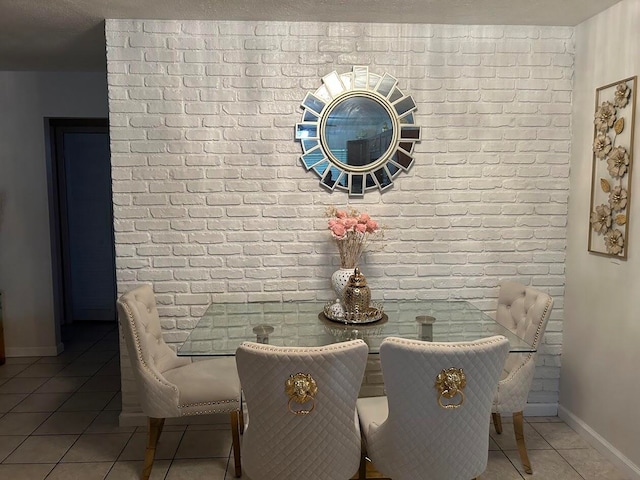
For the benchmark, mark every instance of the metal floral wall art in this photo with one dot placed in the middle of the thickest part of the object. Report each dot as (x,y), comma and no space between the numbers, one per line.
(612,161)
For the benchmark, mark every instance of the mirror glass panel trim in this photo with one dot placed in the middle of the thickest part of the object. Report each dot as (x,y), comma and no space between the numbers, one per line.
(357,131)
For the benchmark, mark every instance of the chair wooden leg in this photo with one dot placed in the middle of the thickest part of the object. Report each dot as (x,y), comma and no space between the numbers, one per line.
(497,422)
(363,467)
(241,419)
(154,429)
(235,434)
(518,428)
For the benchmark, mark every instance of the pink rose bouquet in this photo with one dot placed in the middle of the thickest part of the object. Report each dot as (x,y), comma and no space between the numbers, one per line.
(352,231)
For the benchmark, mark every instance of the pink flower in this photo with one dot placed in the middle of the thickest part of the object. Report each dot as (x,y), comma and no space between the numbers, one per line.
(351,230)
(350,222)
(338,230)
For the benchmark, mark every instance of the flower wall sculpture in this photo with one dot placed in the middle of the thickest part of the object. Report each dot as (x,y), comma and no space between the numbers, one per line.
(612,164)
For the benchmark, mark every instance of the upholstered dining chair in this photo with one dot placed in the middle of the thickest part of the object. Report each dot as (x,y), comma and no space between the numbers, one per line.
(433,423)
(301,404)
(170,386)
(525,311)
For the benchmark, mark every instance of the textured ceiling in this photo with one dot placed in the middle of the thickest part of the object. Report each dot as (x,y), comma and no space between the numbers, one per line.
(68,34)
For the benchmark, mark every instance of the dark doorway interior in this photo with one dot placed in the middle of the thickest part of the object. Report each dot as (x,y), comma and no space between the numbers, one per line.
(82,220)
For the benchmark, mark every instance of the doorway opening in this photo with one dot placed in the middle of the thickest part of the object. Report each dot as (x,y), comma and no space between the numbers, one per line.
(81,215)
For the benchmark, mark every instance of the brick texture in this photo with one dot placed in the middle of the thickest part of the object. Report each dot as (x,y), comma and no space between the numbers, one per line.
(211,203)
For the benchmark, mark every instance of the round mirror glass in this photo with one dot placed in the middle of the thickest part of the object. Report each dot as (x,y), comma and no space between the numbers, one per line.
(358,131)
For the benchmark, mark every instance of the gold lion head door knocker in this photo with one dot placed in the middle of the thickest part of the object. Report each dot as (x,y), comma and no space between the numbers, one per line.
(301,388)
(450,383)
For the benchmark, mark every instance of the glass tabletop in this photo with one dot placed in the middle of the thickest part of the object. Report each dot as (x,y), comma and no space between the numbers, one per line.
(225,326)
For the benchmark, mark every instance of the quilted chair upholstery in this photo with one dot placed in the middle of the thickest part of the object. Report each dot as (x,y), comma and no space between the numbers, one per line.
(171,386)
(525,311)
(321,445)
(408,434)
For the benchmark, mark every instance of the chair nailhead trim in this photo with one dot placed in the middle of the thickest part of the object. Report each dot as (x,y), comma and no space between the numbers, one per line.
(332,347)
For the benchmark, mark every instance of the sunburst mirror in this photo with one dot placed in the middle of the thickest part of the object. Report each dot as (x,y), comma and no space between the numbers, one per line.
(357,131)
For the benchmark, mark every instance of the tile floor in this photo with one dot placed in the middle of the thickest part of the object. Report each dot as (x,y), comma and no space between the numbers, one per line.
(59,420)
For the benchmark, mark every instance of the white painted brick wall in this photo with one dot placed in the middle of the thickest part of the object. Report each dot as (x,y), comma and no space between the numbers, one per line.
(211,203)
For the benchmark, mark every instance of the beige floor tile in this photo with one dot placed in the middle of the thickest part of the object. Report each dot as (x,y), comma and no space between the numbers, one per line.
(83,401)
(41,370)
(546,465)
(97,356)
(21,385)
(42,449)
(493,445)
(204,444)
(167,446)
(8,443)
(78,369)
(132,470)
(30,471)
(102,384)
(198,469)
(507,439)
(65,358)
(21,360)
(110,369)
(97,448)
(543,419)
(80,471)
(42,402)
(66,423)
(10,400)
(108,422)
(591,464)
(11,370)
(115,403)
(560,435)
(500,468)
(62,385)
(21,423)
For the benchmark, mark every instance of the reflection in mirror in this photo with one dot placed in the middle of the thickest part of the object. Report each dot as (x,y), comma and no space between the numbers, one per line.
(357,131)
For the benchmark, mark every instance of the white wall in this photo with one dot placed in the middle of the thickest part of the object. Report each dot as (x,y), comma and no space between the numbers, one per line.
(211,203)
(25,253)
(599,381)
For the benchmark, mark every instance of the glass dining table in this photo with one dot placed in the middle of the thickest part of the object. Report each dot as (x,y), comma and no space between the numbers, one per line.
(224,326)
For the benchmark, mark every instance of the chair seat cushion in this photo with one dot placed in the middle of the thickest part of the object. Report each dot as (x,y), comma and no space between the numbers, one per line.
(206,382)
(372,410)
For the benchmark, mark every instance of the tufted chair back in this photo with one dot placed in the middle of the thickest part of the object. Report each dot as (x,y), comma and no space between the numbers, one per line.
(525,311)
(410,435)
(320,445)
(150,355)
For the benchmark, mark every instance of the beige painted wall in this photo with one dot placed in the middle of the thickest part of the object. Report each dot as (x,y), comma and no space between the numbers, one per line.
(599,382)
(25,252)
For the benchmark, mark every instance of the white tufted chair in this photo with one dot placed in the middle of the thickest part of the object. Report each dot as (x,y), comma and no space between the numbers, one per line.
(525,311)
(322,444)
(408,434)
(171,386)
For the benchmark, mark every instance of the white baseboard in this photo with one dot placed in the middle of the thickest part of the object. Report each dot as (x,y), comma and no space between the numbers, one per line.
(599,443)
(541,410)
(50,351)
